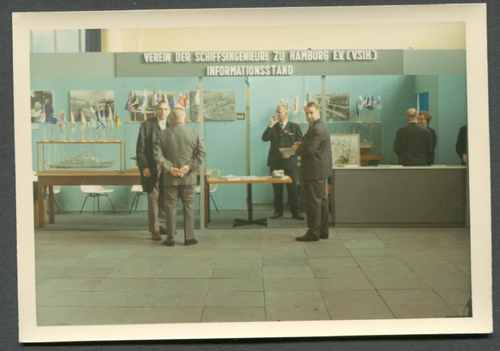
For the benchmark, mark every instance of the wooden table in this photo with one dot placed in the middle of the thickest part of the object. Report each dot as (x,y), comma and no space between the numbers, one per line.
(249,181)
(49,179)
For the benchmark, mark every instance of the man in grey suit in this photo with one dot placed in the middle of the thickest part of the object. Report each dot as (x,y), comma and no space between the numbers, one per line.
(179,151)
(413,143)
(151,175)
(316,166)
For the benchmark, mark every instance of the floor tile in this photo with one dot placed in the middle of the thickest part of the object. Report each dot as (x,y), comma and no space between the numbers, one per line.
(284,262)
(177,298)
(337,272)
(50,316)
(49,272)
(296,314)
(120,254)
(350,305)
(290,284)
(75,284)
(287,272)
(356,236)
(364,244)
(200,271)
(221,298)
(137,272)
(373,252)
(104,316)
(237,273)
(426,311)
(344,283)
(87,272)
(233,314)
(169,315)
(237,284)
(294,299)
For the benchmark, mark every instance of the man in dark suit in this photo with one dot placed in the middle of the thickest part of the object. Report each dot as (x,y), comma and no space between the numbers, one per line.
(413,143)
(151,175)
(316,166)
(461,145)
(283,134)
(179,152)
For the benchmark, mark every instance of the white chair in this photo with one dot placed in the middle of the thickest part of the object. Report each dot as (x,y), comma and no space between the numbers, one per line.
(214,173)
(56,189)
(95,191)
(137,189)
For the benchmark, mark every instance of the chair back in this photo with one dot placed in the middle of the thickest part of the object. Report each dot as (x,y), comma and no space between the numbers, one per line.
(137,189)
(57,189)
(93,189)
(214,173)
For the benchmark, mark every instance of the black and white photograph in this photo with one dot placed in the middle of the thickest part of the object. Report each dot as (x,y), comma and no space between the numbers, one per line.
(217,106)
(40,101)
(196,238)
(90,103)
(337,105)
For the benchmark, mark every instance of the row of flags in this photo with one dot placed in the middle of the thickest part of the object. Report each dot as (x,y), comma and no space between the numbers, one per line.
(295,104)
(157,97)
(99,119)
(368,104)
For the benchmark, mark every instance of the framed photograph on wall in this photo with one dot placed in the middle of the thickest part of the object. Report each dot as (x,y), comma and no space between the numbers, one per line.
(39,101)
(345,149)
(337,105)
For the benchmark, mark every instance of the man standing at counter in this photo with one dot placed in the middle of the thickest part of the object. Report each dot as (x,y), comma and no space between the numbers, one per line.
(283,134)
(151,175)
(316,166)
(413,143)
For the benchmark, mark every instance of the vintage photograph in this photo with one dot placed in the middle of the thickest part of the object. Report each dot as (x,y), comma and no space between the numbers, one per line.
(41,102)
(337,105)
(210,230)
(345,149)
(217,105)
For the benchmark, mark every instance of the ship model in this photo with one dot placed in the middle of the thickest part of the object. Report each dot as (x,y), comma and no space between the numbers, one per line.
(82,161)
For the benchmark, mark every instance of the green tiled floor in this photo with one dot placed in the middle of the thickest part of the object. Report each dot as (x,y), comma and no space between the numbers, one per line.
(257,274)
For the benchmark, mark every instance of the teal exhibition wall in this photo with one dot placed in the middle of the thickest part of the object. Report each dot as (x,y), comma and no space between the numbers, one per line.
(226,140)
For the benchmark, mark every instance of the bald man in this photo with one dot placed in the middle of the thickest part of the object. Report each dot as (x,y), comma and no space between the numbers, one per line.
(413,143)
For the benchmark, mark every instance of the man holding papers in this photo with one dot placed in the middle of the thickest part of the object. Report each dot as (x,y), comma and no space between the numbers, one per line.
(283,134)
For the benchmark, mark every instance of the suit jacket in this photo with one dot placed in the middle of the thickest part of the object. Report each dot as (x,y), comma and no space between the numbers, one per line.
(316,152)
(431,158)
(144,152)
(292,134)
(177,146)
(413,144)
(461,145)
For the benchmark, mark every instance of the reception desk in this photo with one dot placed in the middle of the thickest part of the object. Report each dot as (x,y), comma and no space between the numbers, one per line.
(400,196)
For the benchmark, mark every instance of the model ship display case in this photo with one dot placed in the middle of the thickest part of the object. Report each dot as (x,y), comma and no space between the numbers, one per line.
(64,157)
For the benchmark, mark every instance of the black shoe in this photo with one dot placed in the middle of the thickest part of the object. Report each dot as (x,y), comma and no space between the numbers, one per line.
(324,236)
(298,216)
(307,237)
(190,242)
(163,230)
(169,242)
(277,215)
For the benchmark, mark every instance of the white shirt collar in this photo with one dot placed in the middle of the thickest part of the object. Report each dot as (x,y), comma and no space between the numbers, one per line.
(284,124)
(162,124)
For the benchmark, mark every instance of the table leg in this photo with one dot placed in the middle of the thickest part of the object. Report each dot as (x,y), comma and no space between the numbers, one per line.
(250,221)
(41,214)
(207,203)
(51,204)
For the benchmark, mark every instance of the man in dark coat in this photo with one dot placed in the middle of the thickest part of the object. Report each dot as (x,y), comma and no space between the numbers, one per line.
(283,134)
(413,144)
(316,166)
(151,174)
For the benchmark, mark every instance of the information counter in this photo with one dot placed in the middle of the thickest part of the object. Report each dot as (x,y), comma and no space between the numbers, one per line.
(400,196)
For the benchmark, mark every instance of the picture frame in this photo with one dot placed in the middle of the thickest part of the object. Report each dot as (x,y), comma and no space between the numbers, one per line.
(345,149)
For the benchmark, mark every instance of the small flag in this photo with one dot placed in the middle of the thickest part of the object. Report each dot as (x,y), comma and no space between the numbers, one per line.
(83,121)
(110,117)
(128,106)
(379,103)
(93,119)
(144,100)
(361,103)
(53,118)
(62,122)
(286,105)
(181,101)
(186,99)
(117,122)
(368,104)
(357,108)
(305,104)
(103,119)
(374,103)
(43,116)
(296,105)
(165,98)
(73,124)
(159,95)
(172,102)
(282,103)
(155,99)
(365,101)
